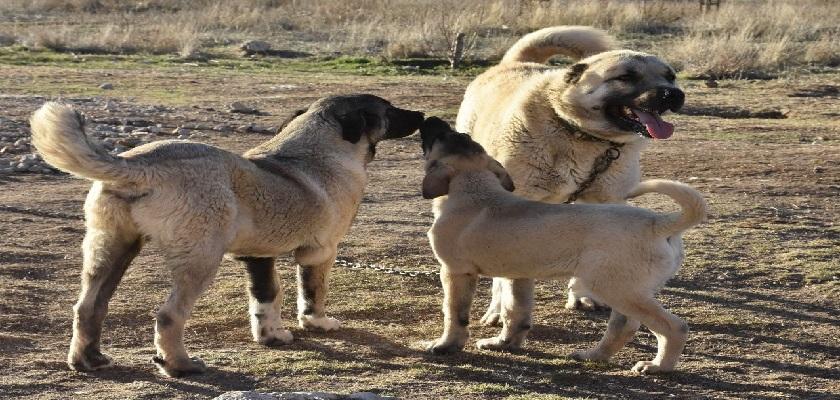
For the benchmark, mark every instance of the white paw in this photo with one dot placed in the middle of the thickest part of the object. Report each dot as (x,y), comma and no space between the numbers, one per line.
(271,336)
(648,367)
(319,323)
(491,318)
(496,343)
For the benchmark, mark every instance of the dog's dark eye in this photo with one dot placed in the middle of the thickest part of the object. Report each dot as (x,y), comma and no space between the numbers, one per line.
(625,78)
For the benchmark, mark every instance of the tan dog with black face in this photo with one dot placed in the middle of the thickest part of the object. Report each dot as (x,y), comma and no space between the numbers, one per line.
(622,254)
(297,192)
(553,128)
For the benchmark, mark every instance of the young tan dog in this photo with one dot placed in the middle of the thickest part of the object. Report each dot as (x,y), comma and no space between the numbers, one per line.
(622,254)
(297,192)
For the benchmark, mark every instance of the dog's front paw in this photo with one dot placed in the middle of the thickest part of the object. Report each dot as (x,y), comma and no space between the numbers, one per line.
(649,367)
(497,344)
(584,304)
(88,360)
(491,318)
(442,346)
(325,324)
(274,336)
(179,367)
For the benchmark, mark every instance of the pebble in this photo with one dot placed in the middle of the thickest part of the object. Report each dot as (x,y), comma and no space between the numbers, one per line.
(180,131)
(255,46)
(251,395)
(106,86)
(241,108)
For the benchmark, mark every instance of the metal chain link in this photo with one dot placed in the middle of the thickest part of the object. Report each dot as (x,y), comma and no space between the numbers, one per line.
(341,262)
(601,164)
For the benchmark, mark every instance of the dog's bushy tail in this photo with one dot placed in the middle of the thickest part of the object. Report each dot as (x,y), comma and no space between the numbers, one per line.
(58,133)
(576,42)
(690,200)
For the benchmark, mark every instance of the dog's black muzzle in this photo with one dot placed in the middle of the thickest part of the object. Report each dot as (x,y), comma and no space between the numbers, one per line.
(670,98)
(402,123)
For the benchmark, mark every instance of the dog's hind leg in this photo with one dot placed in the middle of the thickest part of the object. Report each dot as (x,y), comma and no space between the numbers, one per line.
(265,301)
(620,330)
(517,306)
(458,291)
(313,272)
(192,273)
(111,243)
(671,334)
(492,316)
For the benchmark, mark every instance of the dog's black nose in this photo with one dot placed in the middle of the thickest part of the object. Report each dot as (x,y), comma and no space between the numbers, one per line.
(671,98)
(402,122)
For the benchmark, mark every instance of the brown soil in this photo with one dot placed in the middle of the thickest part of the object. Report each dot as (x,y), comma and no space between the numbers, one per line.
(759,287)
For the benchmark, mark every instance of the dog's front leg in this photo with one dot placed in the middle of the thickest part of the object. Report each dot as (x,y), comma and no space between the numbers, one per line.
(265,300)
(313,283)
(458,291)
(517,305)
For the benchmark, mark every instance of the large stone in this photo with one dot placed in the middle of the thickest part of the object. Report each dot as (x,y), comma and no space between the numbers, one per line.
(255,47)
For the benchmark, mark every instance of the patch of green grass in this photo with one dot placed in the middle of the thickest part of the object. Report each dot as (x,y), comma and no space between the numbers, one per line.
(222,60)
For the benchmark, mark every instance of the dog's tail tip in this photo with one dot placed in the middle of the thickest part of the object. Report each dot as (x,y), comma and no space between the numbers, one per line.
(694,208)
(58,134)
(576,42)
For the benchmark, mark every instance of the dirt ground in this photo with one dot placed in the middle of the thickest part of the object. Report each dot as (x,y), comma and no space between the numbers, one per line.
(760,287)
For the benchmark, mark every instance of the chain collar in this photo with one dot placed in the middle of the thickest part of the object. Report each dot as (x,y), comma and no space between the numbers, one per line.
(601,164)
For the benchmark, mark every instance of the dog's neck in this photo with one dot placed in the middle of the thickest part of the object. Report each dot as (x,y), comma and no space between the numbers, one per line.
(471,190)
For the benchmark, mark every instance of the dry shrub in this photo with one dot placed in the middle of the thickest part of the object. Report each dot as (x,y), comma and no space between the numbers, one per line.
(742,37)
(754,39)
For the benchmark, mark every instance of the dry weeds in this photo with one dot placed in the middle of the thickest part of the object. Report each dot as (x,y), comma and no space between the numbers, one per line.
(742,38)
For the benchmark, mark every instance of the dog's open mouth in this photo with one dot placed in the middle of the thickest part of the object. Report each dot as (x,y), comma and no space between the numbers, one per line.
(645,123)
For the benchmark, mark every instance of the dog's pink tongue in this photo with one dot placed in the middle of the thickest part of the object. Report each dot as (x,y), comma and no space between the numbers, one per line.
(656,127)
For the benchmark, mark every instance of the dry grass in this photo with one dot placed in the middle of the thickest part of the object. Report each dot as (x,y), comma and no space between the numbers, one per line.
(742,38)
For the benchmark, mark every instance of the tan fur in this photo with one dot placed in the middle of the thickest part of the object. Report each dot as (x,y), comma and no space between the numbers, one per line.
(297,193)
(514,110)
(622,255)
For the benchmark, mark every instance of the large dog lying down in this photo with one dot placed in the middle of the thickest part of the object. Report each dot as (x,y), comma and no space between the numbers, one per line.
(297,192)
(623,254)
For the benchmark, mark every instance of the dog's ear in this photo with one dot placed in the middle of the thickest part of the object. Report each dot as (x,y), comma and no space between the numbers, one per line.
(436,181)
(290,118)
(574,73)
(357,123)
(503,176)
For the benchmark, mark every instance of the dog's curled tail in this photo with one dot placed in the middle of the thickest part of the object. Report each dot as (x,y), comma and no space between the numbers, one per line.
(576,42)
(58,133)
(690,200)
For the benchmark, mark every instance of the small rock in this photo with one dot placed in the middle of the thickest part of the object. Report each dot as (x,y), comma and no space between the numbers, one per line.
(240,108)
(222,128)
(110,106)
(249,395)
(21,142)
(183,137)
(255,47)
(106,86)
(126,129)
(364,396)
(306,396)
(818,169)
(711,83)
(181,131)
(20,167)
(155,129)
